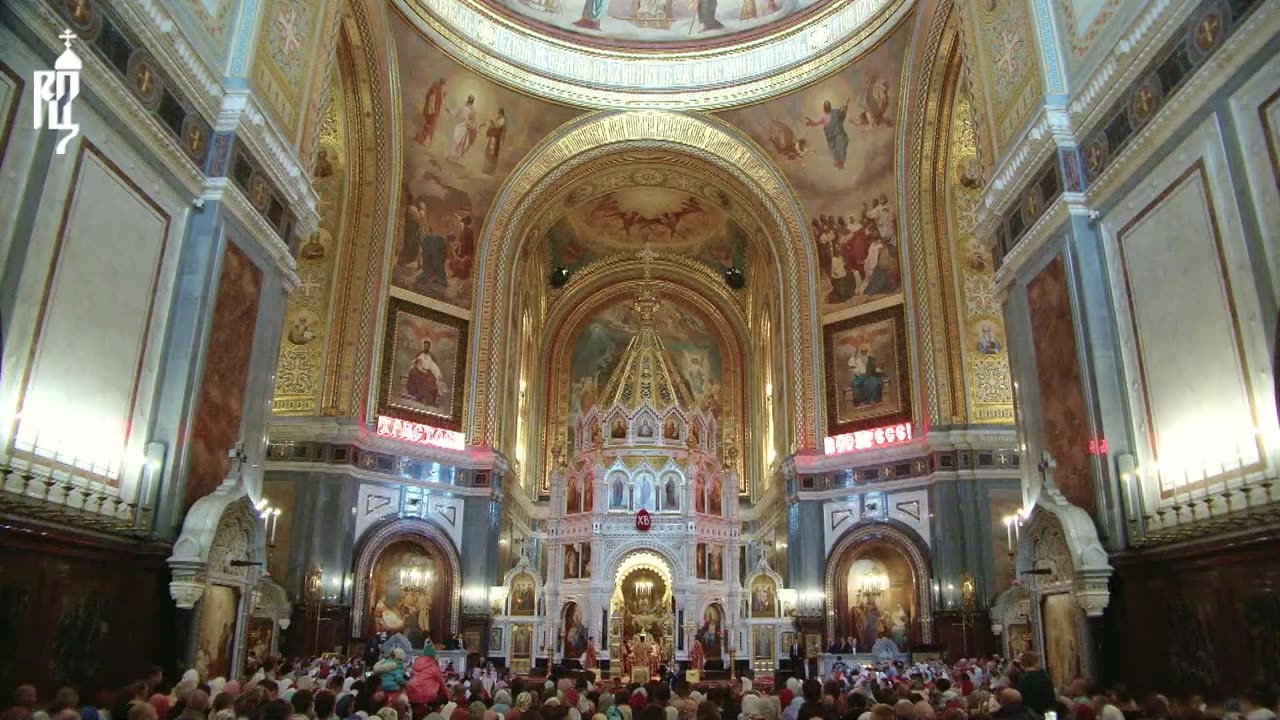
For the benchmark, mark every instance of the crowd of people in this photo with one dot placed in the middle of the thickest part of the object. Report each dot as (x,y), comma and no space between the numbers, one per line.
(397,687)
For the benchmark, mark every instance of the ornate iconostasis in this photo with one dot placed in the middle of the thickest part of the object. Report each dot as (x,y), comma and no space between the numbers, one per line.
(595,335)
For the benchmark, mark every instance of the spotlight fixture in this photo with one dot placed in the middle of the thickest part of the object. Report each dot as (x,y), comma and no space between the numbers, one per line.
(734,278)
(559,277)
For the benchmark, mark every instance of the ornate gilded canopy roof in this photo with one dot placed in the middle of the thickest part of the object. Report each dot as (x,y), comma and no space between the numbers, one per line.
(646,374)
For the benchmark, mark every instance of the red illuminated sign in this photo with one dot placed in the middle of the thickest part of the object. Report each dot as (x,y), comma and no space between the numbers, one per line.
(643,521)
(867,439)
(419,433)
(1098,446)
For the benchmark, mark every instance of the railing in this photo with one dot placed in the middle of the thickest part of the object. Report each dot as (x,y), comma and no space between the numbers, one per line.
(1209,513)
(65,497)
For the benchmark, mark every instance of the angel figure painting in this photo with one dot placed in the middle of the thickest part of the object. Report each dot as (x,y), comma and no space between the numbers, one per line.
(622,221)
(835,141)
(463,136)
(655,23)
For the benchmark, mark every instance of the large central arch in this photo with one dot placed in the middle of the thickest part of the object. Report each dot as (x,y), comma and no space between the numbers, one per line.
(588,138)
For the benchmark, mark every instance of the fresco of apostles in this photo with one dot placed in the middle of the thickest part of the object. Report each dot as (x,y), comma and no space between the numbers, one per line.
(463,136)
(835,141)
(649,22)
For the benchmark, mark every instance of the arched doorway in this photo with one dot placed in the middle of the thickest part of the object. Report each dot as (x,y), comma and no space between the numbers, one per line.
(642,607)
(877,584)
(407,581)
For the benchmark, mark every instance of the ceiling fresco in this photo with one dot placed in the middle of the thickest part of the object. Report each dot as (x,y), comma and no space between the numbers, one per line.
(835,141)
(659,21)
(664,219)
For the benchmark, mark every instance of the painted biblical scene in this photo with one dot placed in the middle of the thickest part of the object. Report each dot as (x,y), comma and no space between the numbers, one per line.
(1063,652)
(646,605)
(423,365)
(835,141)
(764,597)
(866,360)
(409,593)
(686,333)
(215,642)
(666,220)
(641,22)
(575,631)
(523,590)
(881,593)
(463,136)
(711,631)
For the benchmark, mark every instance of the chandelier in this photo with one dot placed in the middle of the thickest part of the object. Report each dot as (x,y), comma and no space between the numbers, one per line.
(873,585)
(415,580)
(644,590)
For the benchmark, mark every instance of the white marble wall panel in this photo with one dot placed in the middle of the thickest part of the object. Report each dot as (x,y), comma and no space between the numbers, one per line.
(373,503)
(17,136)
(909,507)
(84,345)
(1194,350)
(1255,110)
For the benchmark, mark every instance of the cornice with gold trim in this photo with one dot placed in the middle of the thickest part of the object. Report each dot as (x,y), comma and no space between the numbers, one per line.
(514,54)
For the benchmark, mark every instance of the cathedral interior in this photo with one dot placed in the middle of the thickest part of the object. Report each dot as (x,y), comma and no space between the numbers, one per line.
(704,332)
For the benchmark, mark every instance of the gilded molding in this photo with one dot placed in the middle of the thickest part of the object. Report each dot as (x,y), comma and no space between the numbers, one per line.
(988,395)
(301,360)
(926,93)
(713,77)
(580,142)
(358,300)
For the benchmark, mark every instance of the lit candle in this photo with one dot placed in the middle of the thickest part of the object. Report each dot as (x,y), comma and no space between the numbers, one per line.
(1131,485)
(276,526)
(1008,531)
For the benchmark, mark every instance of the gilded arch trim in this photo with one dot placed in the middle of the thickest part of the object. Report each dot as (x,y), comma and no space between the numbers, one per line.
(396,530)
(703,137)
(885,534)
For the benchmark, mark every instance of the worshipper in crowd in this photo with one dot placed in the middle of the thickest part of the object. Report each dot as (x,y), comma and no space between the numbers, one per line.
(396,687)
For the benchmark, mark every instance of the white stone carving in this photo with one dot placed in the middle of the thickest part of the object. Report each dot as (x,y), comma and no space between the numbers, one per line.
(1061,538)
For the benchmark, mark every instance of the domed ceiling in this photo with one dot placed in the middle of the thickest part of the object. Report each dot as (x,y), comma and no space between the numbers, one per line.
(622,221)
(660,22)
(661,54)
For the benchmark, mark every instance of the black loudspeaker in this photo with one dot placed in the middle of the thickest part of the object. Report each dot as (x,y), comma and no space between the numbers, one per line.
(734,278)
(559,277)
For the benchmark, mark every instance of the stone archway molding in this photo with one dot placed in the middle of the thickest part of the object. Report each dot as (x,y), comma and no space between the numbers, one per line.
(616,555)
(708,139)
(380,537)
(886,534)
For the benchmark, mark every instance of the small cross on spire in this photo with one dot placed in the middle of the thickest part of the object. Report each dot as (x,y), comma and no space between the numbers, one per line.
(67,36)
